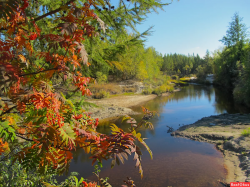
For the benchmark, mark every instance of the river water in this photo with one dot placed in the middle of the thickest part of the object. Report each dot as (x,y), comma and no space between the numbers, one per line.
(177,162)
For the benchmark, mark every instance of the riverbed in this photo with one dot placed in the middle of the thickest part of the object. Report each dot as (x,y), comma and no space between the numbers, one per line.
(177,161)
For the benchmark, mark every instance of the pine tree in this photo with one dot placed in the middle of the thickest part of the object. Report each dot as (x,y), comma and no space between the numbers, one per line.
(236,31)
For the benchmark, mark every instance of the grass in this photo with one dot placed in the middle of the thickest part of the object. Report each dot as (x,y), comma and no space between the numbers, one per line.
(162,89)
(129,89)
(246,132)
(111,88)
(101,94)
(100,91)
(126,93)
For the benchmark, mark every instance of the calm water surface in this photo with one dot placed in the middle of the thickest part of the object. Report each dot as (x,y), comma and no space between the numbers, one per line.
(177,162)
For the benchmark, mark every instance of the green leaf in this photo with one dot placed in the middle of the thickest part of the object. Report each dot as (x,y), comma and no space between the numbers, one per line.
(76,180)
(67,133)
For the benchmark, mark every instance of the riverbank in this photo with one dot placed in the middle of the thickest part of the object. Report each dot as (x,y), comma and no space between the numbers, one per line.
(225,132)
(119,105)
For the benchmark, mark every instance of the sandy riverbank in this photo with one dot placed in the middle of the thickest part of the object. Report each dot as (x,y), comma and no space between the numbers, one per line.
(119,105)
(225,131)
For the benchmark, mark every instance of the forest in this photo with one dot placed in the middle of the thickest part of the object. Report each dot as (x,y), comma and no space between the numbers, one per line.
(78,44)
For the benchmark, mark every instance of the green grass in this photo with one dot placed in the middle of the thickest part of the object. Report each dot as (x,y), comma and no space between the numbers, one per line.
(246,132)
(126,93)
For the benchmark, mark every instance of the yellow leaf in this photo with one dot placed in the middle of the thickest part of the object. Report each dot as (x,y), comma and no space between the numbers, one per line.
(87,149)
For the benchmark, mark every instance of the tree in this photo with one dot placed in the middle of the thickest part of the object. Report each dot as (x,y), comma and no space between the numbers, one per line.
(227,71)
(208,63)
(42,41)
(236,31)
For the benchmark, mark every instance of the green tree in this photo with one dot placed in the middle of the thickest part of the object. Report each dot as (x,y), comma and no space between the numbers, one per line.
(236,32)
(225,65)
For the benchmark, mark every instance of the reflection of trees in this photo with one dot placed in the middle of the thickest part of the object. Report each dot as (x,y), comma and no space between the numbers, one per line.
(208,92)
(193,92)
(224,102)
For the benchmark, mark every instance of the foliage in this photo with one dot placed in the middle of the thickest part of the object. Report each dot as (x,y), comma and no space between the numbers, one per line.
(246,132)
(225,63)
(241,91)
(15,175)
(101,78)
(162,89)
(147,91)
(110,88)
(231,64)
(101,94)
(129,89)
(236,32)
(48,42)
(201,72)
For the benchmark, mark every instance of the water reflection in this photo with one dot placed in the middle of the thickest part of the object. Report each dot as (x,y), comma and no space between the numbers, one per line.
(177,161)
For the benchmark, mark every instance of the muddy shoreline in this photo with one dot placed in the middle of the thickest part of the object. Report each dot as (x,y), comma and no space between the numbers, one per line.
(225,132)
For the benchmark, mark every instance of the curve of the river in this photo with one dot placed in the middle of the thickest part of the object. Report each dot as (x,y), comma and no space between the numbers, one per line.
(177,162)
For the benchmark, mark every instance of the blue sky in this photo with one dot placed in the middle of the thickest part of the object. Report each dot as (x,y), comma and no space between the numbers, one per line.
(193,26)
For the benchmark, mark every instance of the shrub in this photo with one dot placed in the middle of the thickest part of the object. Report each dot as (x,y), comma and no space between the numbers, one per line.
(159,90)
(147,91)
(129,89)
(241,91)
(169,88)
(101,78)
(101,94)
(201,72)
(163,88)
(246,132)
(111,88)
(175,77)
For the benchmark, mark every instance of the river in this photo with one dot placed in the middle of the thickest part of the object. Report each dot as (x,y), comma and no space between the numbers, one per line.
(177,162)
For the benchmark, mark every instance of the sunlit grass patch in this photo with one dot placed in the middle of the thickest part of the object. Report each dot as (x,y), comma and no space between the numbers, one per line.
(246,132)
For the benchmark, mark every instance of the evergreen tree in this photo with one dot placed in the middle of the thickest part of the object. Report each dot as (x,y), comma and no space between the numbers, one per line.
(236,31)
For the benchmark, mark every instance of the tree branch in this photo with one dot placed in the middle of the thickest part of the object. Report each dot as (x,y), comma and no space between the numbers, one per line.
(52,12)
(8,111)
(34,73)
(27,139)
(44,15)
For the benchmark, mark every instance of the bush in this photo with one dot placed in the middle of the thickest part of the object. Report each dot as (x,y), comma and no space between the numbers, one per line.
(246,132)
(111,88)
(101,78)
(241,91)
(201,72)
(169,88)
(147,91)
(101,94)
(129,89)
(163,88)
(175,77)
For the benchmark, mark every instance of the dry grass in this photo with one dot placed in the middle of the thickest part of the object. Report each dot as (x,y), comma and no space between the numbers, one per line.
(111,88)
(104,90)
(129,89)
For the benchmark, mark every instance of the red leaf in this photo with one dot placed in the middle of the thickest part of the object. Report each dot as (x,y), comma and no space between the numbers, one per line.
(33,36)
